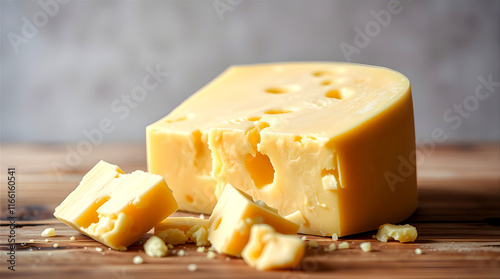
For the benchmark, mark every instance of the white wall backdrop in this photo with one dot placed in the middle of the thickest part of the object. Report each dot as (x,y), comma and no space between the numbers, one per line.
(67,66)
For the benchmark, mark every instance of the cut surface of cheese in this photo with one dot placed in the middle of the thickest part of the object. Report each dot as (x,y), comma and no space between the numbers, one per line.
(114,208)
(332,145)
(268,249)
(179,230)
(233,217)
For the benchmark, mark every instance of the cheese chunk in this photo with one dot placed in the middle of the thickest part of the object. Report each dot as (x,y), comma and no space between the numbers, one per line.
(330,143)
(233,217)
(268,250)
(401,233)
(179,230)
(114,208)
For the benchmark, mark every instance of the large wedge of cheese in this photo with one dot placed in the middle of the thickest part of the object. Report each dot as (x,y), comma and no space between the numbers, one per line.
(114,208)
(331,144)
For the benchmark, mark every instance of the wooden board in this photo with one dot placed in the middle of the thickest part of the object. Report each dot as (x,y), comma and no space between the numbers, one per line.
(458,221)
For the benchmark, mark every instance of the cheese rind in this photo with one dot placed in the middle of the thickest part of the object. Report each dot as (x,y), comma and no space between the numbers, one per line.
(233,217)
(114,208)
(268,250)
(332,141)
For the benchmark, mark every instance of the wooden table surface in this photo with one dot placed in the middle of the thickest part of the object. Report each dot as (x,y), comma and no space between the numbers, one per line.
(458,222)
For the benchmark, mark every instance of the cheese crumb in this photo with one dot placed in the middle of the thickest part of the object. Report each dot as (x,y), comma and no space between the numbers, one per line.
(228,259)
(198,235)
(202,216)
(211,255)
(418,251)
(72,238)
(138,260)
(401,233)
(55,245)
(173,236)
(170,246)
(200,249)
(192,267)
(46,240)
(49,232)
(303,238)
(313,244)
(155,247)
(32,240)
(366,246)
(335,237)
(98,249)
(332,247)
(344,245)
(181,253)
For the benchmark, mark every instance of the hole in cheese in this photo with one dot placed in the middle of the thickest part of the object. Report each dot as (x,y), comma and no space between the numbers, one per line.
(260,168)
(321,73)
(254,118)
(335,94)
(277,111)
(91,216)
(277,90)
(283,89)
(326,82)
(343,93)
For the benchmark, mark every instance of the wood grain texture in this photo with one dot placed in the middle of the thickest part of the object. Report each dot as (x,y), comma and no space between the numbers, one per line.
(458,221)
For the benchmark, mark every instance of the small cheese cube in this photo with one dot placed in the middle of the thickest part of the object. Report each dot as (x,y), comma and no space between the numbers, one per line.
(267,249)
(179,230)
(234,215)
(155,247)
(114,208)
(401,233)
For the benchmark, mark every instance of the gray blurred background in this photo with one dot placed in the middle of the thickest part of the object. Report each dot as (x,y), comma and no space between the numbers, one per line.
(67,66)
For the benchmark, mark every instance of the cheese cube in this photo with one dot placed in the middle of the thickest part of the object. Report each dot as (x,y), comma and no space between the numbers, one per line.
(401,233)
(234,215)
(330,144)
(268,250)
(179,230)
(114,208)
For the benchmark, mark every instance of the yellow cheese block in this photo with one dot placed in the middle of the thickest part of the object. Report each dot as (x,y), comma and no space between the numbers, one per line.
(268,249)
(114,208)
(332,145)
(234,215)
